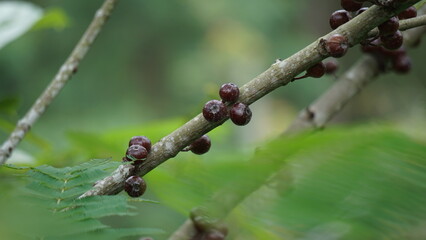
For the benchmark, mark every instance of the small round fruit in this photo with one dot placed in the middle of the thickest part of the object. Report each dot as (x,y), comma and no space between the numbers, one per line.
(229,92)
(338,18)
(393,41)
(350,5)
(316,71)
(389,27)
(141,140)
(331,67)
(401,64)
(214,111)
(410,12)
(337,45)
(361,11)
(136,152)
(135,186)
(201,145)
(240,114)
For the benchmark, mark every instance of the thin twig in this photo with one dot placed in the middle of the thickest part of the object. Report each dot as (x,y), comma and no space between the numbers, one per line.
(279,74)
(64,74)
(404,25)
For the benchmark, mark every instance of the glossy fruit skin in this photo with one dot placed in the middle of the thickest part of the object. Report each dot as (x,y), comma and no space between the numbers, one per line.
(393,41)
(201,145)
(229,92)
(389,27)
(350,5)
(331,67)
(214,111)
(361,11)
(135,186)
(338,18)
(136,152)
(240,114)
(401,64)
(410,12)
(142,141)
(316,71)
(337,45)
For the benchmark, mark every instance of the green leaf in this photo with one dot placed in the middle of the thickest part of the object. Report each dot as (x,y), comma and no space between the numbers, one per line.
(52,195)
(8,105)
(16,18)
(12,166)
(346,183)
(55,18)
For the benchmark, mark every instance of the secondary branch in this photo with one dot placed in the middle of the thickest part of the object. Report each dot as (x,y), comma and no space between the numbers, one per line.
(404,25)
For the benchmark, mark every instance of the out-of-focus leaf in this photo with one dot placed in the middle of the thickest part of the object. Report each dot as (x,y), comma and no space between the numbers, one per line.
(16,18)
(342,183)
(9,105)
(374,188)
(420,4)
(48,207)
(359,183)
(55,18)
(189,180)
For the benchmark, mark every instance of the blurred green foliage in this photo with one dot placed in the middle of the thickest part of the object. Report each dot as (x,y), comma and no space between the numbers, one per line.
(55,18)
(51,195)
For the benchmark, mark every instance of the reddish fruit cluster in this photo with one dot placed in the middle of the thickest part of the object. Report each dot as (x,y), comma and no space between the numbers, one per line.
(385,48)
(215,110)
(138,150)
(399,61)
(388,47)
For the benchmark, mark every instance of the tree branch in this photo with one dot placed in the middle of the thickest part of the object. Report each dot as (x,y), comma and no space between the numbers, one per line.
(336,97)
(404,25)
(279,74)
(349,85)
(316,115)
(64,74)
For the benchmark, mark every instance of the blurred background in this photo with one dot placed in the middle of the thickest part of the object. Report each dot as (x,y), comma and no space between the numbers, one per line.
(156,63)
